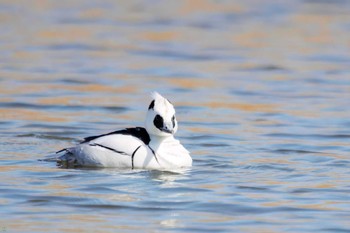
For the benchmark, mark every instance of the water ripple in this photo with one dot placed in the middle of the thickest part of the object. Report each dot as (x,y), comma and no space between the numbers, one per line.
(49,107)
(261,91)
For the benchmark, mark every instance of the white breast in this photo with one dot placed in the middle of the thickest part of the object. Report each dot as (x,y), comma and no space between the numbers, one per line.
(171,154)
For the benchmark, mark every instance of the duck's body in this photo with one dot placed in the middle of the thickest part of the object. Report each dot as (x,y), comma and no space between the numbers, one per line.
(131,147)
(153,147)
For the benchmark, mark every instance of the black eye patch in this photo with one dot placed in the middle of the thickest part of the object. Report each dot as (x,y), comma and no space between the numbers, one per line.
(158,122)
(173,121)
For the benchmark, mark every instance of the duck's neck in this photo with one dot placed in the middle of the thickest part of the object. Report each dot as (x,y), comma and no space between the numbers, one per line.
(156,141)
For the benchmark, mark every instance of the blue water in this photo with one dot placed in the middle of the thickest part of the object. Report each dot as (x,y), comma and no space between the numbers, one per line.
(262,94)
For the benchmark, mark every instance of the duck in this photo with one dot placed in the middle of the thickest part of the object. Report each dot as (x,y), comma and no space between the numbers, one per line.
(151,147)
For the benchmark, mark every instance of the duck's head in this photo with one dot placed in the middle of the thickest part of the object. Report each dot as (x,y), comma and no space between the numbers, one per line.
(161,120)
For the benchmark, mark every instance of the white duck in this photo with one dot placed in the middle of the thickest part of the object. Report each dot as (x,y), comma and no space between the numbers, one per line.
(153,147)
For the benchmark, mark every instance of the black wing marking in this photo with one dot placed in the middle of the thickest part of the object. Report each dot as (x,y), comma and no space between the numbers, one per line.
(132,157)
(154,154)
(121,152)
(138,132)
(109,148)
(65,149)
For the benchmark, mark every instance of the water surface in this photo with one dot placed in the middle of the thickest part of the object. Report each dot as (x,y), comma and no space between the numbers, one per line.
(262,94)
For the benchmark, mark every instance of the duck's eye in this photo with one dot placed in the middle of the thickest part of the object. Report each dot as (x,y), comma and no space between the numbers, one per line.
(173,121)
(158,122)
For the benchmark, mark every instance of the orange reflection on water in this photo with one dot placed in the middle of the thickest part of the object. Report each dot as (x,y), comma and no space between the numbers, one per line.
(30,115)
(92,13)
(159,36)
(73,34)
(195,6)
(191,83)
(201,130)
(250,107)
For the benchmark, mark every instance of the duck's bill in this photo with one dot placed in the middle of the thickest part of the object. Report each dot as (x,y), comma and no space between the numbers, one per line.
(170,131)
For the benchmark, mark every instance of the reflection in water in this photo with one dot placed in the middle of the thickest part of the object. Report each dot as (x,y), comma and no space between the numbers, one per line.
(261,89)
(170,178)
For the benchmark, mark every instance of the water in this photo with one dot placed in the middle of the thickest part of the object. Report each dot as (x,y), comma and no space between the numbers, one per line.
(262,92)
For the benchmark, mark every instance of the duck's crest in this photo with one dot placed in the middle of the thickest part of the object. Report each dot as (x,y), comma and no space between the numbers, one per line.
(156,96)
(160,103)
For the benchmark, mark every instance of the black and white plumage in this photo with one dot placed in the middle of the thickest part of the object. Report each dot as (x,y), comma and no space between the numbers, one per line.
(152,147)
